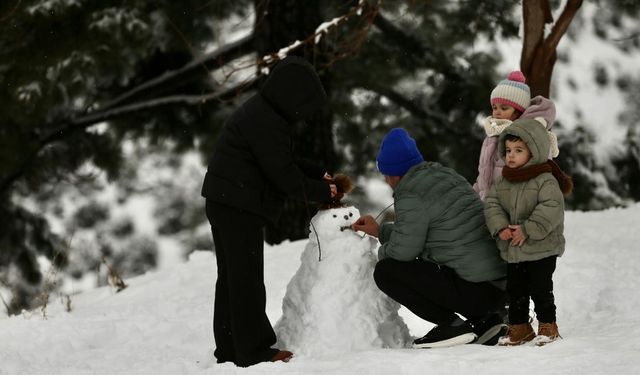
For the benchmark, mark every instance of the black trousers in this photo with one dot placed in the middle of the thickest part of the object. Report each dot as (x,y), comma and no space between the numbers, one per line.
(435,293)
(241,327)
(531,280)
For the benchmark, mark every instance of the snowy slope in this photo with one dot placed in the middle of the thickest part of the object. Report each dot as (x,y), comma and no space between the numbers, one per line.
(161,324)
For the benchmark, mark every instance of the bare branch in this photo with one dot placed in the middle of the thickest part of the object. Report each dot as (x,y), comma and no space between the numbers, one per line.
(546,10)
(82,122)
(101,116)
(50,283)
(407,41)
(632,36)
(114,277)
(561,27)
(534,18)
(227,53)
(354,43)
(6,306)
(95,118)
(415,109)
(208,62)
(10,13)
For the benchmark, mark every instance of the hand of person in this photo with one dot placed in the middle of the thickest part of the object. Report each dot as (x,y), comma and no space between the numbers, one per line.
(334,190)
(505,234)
(517,236)
(327,177)
(366,224)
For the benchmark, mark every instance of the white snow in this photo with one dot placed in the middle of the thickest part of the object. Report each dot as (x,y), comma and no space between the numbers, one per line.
(161,324)
(324,28)
(332,304)
(589,105)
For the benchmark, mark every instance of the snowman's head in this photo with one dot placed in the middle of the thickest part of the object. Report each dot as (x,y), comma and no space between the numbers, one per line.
(334,222)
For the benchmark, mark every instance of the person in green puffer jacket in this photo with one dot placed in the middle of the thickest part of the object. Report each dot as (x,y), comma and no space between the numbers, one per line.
(437,258)
(524,210)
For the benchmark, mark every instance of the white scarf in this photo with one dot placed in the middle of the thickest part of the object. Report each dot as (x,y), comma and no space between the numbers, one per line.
(493,127)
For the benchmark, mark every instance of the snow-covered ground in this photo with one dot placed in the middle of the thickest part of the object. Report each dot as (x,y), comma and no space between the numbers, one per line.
(161,324)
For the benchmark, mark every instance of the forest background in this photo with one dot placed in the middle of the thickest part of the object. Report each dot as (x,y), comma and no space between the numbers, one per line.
(111,109)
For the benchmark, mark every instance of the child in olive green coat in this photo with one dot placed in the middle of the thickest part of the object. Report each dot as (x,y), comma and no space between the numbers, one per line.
(524,211)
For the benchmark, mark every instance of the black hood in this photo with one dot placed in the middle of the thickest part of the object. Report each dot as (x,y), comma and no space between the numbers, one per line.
(294,90)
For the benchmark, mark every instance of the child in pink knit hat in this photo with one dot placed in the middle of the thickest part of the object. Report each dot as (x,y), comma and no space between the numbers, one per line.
(510,100)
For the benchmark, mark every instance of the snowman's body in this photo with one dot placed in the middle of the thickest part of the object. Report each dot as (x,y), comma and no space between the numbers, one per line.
(333,305)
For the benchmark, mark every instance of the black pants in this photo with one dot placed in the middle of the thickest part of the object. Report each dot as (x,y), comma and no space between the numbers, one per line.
(531,280)
(241,327)
(435,293)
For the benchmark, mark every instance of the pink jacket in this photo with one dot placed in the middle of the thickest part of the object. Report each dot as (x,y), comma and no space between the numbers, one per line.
(490,164)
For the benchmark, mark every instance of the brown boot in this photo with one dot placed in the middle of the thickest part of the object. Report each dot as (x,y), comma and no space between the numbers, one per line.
(282,355)
(517,334)
(547,332)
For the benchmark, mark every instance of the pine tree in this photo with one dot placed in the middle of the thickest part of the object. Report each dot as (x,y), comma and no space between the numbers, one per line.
(577,155)
(83,78)
(617,24)
(626,179)
(63,65)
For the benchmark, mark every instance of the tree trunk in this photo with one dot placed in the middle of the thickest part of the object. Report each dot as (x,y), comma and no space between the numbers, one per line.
(277,25)
(539,52)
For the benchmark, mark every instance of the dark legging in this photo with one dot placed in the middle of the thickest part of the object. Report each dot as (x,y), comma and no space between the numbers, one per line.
(531,280)
(436,293)
(241,327)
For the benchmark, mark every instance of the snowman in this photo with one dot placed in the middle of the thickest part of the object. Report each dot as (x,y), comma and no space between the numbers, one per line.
(332,303)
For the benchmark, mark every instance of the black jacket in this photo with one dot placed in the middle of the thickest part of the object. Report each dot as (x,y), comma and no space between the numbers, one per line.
(252,167)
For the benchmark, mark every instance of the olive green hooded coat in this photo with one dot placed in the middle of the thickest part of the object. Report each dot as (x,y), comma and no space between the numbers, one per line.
(537,205)
(439,218)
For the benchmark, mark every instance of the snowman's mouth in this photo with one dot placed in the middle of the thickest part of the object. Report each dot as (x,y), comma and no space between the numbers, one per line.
(342,229)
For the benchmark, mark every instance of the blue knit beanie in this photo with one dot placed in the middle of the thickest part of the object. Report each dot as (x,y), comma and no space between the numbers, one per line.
(398,153)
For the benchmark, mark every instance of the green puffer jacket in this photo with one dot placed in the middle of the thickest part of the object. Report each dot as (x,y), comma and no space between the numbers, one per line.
(537,205)
(439,219)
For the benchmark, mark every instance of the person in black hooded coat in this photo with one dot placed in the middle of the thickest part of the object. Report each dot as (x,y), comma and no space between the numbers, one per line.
(249,175)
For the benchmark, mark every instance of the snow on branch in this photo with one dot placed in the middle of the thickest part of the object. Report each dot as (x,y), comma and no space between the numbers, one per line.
(323,29)
(101,116)
(207,62)
(219,58)
(140,98)
(414,108)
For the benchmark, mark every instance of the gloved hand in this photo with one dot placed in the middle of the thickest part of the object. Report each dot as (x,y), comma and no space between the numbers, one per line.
(340,185)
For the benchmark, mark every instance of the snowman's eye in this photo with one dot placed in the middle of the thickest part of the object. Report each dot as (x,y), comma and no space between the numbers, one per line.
(335,215)
(350,214)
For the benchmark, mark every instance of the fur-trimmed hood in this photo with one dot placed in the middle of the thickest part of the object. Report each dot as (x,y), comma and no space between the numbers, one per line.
(532,133)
